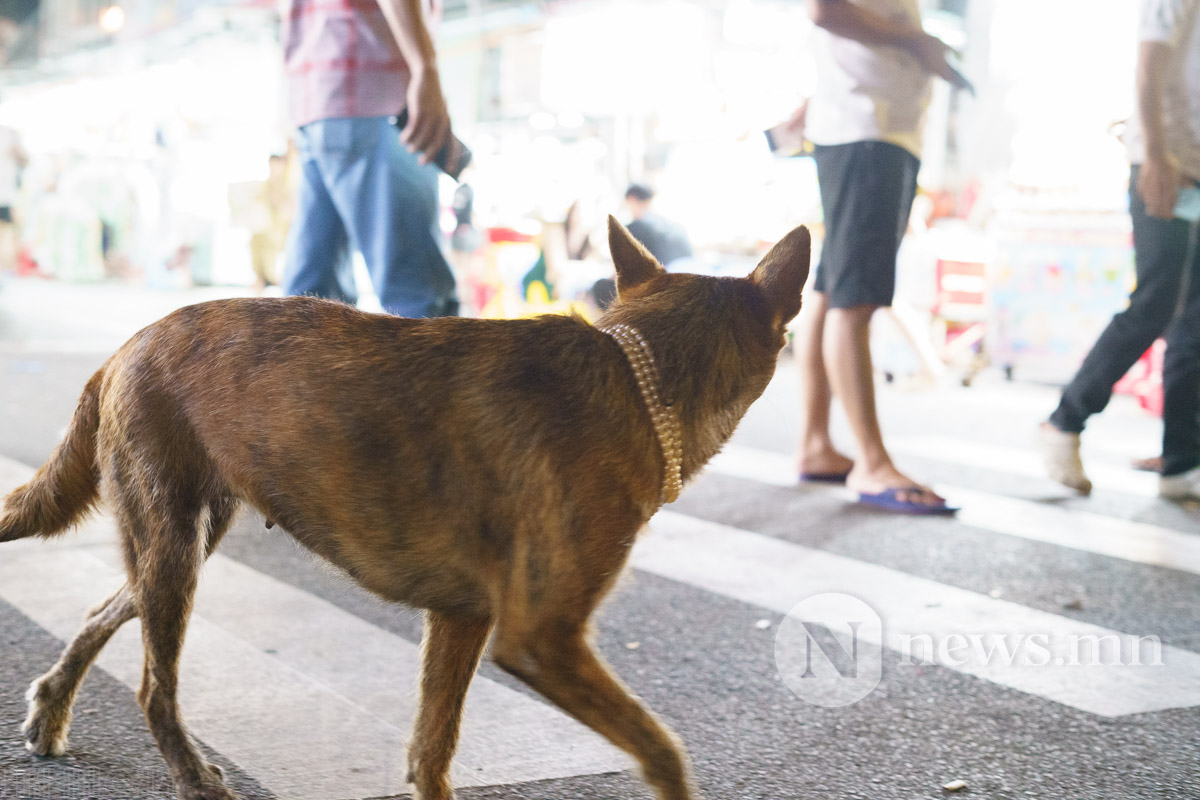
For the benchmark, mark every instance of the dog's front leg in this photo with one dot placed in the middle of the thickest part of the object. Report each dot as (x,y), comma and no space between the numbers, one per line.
(450,651)
(564,668)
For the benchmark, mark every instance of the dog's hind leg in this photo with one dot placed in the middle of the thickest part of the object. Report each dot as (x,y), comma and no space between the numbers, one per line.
(52,696)
(450,651)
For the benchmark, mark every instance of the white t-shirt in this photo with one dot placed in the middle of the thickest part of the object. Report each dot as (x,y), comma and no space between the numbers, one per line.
(869,93)
(1176,23)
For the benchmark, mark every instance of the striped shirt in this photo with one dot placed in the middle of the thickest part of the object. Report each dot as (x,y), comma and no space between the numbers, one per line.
(342,60)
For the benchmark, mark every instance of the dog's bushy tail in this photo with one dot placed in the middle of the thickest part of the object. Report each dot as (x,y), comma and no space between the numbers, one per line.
(67,486)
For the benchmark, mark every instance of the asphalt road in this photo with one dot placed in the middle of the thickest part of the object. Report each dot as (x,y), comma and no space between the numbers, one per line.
(691,628)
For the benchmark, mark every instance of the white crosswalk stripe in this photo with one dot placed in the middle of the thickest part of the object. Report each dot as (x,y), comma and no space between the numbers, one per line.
(1018,461)
(775,574)
(1075,529)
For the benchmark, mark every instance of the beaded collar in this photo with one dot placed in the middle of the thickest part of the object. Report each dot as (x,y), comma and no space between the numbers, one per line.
(664,417)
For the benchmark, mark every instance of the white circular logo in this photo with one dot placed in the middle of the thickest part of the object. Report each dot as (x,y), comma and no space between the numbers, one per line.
(828,649)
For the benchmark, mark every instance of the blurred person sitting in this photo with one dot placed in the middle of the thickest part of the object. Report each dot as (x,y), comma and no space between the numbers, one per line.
(875,65)
(1164,144)
(350,68)
(666,240)
(271,223)
(13,160)
(561,242)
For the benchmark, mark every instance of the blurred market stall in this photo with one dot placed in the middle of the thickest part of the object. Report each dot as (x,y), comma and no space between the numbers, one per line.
(150,124)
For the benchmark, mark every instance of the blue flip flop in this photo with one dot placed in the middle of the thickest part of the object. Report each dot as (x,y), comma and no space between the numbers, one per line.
(889,500)
(824,477)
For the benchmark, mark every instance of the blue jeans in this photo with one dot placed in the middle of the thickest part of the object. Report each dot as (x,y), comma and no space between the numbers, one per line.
(362,190)
(1166,301)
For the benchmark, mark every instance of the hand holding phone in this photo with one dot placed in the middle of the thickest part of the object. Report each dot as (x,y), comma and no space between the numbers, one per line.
(787,138)
(454,156)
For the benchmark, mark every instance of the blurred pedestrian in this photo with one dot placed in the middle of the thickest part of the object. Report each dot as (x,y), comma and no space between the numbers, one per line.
(1164,145)
(351,67)
(466,240)
(268,237)
(874,78)
(13,159)
(666,239)
(467,251)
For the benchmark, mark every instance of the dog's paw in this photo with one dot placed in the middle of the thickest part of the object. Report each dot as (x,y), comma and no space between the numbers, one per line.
(211,786)
(419,795)
(46,727)
(206,791)
(432,790)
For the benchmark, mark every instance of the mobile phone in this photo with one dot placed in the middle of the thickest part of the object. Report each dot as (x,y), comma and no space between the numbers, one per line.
(784,140)
(454,156)
(957,78)
(1187,207)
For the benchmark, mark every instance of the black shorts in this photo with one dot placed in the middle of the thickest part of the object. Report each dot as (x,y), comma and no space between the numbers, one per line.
(5,213)
(867,190)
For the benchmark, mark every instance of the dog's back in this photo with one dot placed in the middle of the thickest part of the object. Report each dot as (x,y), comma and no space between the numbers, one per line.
(387,445)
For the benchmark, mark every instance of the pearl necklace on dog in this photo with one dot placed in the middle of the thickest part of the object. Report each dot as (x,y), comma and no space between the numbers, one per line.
(664,417)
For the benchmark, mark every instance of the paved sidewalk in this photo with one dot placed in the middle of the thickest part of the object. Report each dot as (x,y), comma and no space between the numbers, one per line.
(38,315)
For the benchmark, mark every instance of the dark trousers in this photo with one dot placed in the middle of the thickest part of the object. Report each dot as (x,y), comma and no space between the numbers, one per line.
(1167,298)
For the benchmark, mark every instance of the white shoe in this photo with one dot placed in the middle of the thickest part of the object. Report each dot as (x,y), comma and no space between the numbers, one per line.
(1060,451)
(1184,486)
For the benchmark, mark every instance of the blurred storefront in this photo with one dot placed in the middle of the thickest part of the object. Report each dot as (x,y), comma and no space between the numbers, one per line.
(150,122)
(1043,146)
(139,119)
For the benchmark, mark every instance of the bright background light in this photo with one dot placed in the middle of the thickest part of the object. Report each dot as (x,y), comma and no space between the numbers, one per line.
(112,19)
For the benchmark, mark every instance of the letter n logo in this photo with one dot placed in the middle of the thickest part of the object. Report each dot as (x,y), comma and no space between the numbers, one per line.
(829,649)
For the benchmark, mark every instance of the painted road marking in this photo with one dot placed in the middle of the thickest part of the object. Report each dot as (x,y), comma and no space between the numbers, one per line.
(920,617)
(1078,530)
(1017,461)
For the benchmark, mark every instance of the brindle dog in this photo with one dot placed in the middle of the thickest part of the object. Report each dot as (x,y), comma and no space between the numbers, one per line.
(492,472)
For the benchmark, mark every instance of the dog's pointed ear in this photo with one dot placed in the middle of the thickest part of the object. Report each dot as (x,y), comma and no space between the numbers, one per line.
(782,273)
(633,261)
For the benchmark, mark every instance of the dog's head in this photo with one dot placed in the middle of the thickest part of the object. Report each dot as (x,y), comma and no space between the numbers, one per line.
(715,339)
(778,279)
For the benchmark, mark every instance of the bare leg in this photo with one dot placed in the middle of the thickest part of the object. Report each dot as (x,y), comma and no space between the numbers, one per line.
(915,333)
(1151,464)
(847,351)
(450,651)
(562,666)
(52,696)
(815,453)
(8,247)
